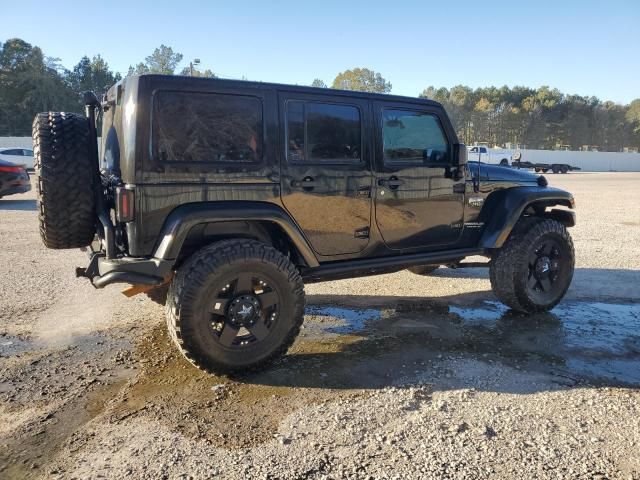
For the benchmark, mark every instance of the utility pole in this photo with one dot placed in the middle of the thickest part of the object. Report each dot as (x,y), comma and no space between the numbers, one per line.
(195,61)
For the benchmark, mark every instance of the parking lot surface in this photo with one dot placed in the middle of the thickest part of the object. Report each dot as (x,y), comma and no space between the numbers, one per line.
(393,376)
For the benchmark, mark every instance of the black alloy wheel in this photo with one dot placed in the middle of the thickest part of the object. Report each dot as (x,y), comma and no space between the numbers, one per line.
(244,311)
(547,270)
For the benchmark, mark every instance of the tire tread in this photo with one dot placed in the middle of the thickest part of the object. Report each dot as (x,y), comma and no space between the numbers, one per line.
(504,273)
(64,180)
(206,262)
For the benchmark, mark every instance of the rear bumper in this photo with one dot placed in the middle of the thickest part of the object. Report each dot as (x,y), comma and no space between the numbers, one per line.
(136,271)
(15,189)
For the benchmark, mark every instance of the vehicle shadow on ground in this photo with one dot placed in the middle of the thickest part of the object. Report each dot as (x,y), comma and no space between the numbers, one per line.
(22,205)
(603,283)
(400,340)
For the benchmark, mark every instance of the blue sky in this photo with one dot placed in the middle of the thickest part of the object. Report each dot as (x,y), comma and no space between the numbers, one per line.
(583,47)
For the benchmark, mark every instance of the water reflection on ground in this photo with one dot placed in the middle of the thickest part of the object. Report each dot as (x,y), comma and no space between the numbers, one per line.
(592,340)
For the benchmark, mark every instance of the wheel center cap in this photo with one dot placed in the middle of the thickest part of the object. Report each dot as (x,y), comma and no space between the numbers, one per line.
(244,310)
(543,265)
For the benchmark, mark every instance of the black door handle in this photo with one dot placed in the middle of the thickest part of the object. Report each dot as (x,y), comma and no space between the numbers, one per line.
(305,183)
(392,182)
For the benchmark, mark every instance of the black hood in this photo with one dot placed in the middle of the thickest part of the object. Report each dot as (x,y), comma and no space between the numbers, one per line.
(498,173)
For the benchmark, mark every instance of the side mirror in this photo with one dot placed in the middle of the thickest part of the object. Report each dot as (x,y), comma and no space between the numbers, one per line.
(460,154)
(517,156)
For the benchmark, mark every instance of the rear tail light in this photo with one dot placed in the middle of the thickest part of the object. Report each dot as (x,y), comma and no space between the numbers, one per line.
(11,169)
(125,204)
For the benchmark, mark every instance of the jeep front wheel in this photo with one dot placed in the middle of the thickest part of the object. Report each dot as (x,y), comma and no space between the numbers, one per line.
(235,305)
(533,270)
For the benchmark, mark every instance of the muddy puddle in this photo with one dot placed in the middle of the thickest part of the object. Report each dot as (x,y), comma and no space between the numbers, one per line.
(345,350)
(591,341)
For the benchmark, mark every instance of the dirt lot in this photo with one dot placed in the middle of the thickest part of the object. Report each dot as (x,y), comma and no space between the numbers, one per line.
(394,376)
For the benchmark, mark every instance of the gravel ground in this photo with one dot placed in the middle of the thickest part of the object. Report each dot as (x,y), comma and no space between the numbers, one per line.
(393,376)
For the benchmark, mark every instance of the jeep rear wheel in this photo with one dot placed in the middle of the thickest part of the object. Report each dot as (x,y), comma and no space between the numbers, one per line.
(235,305)
(533,270)
(64,180)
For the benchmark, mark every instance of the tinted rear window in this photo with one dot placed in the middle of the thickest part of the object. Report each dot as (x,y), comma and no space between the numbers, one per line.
(207,127)
(323,132)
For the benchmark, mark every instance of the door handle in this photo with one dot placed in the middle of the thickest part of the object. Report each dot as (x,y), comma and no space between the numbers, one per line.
(392,182)
(305,183)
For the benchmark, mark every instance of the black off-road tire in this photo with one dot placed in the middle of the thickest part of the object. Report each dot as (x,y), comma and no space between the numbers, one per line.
(510,266)
(423,269)
(196,285)
(64,179)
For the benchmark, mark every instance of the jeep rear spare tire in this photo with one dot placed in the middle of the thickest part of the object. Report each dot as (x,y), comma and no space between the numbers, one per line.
(235,305)
(64,179)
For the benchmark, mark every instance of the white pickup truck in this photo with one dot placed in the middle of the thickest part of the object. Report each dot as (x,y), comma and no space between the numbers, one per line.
(489,155)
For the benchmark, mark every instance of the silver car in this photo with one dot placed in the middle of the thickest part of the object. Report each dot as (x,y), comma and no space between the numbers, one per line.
(19,156)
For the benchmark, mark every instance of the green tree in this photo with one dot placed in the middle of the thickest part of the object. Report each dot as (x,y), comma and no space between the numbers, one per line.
(318,83)
(29,84)
(198,73)
(538,118)
(91,75)
(633,115)
(163,60)
(363,80)
(139,69)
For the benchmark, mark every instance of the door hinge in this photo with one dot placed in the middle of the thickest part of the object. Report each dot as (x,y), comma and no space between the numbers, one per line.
(362,233)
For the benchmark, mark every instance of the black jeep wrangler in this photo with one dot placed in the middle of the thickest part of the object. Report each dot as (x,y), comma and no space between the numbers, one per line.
(224,196)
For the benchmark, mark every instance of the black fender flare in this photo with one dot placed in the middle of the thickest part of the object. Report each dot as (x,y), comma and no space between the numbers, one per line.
(512,202)
(183,218)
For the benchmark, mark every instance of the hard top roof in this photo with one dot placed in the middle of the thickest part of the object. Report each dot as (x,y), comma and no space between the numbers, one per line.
(194,81)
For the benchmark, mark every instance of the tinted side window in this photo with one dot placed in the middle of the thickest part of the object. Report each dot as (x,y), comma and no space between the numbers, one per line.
(323,133)
(413,137)
(27,153)
(206,127)
(295,132)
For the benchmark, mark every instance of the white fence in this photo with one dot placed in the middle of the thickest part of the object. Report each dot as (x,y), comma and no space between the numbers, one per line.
(19,142)
(587,161)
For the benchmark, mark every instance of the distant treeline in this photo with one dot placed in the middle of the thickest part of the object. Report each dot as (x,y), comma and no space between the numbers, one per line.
(542,118)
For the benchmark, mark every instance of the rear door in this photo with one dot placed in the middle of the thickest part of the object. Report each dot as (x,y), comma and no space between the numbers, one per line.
(419,202)
(326,170)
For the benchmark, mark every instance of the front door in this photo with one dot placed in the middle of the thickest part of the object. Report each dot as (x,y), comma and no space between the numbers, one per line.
(326,170)
(419,202)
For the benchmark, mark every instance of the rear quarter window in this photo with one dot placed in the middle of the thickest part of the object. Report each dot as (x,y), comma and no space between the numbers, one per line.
(192,127)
